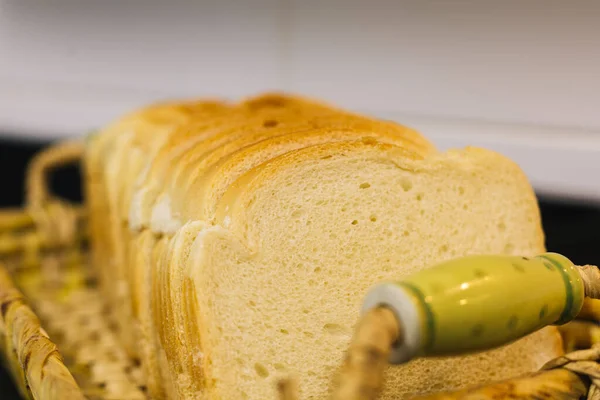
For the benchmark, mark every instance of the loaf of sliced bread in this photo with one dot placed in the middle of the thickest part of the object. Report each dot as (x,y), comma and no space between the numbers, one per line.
(252,120)
(237,241)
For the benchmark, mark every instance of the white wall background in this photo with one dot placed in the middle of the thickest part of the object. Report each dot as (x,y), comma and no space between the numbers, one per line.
(521,76)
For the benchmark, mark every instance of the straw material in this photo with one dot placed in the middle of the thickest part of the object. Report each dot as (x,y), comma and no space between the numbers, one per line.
(43,249)
(362,371)
(87,337)
(33,359)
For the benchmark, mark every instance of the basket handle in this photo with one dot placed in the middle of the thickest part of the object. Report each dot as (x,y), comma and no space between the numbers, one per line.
(55,218)
(38,193)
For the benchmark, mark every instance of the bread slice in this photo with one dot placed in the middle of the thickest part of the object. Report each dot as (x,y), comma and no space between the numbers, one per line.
(100,159)
(130,160)
(275,284)
(115,158)
(263,111)
(198,158)
(189,174)
(114,150)
(264,116)
(244,124)
(209,183)
(261,150)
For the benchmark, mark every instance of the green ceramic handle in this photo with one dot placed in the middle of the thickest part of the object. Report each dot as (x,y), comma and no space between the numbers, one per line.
(478,303)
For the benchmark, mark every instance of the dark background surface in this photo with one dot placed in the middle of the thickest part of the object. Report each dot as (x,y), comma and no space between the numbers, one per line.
(570,228)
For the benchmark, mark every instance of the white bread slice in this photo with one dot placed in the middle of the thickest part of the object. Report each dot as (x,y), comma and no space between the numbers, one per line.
(171,155)
(100,159)
(115,159)
(208,183)
(266,115)
(390,133)
(222,141)
(114,150)
(268,106)
(144,145)
(146,142)
(188,177)
(263,150)
(299,239)
(148,187)
(182,141)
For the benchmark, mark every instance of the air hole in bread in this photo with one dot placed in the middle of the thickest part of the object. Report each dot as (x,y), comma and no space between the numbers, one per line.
(406,185)
(420,196)
(252,303)
(279,367)
(318,269)
(465,206)
(270,123)
(336,330)
(355,222)
(509,248)
(297,213)
(373,218)
(444,249)
(284,331)
(94,336)
(501,226)
(365,185)
(461,190)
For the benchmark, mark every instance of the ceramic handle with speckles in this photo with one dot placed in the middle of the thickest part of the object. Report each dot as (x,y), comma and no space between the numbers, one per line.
(478,303)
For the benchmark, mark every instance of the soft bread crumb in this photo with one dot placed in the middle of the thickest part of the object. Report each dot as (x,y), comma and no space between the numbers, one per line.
(324,224)
(135,211)
(162,219)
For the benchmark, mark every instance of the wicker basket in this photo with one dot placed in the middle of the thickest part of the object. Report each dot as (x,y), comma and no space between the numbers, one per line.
(49,301)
